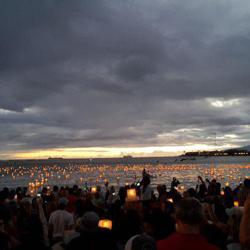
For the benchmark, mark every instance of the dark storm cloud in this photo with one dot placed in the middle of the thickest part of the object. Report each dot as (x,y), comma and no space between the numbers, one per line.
(123,73)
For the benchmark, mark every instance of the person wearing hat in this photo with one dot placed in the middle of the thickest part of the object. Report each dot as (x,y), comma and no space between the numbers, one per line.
(60,220)
(141,242)
(91,236)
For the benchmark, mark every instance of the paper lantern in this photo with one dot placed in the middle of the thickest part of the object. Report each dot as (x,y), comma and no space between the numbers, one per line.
(93,190)
(131,195)
(105,224)
(236,203)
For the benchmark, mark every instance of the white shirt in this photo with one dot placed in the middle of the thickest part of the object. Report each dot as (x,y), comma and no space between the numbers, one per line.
(60,220)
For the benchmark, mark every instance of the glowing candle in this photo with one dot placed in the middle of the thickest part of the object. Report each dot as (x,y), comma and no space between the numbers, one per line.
(105,224)
(131,195)
(236,203)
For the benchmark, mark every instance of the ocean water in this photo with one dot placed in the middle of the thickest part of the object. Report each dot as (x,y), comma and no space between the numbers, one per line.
(231,170)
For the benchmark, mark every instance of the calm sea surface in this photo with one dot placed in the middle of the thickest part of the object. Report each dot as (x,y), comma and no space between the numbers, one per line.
(118,172)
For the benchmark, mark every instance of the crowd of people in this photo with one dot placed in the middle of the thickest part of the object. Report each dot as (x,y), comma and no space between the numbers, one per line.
(205,217)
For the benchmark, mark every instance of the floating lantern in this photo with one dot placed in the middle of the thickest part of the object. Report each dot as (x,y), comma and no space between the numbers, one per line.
(105,224)
(131,195)
(236,203)
(93,190)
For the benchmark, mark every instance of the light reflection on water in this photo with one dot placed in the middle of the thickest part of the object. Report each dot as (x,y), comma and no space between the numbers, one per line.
(223,169)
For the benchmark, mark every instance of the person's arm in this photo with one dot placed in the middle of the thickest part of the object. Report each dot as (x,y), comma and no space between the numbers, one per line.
(43,221)
(50,227)
(245,225)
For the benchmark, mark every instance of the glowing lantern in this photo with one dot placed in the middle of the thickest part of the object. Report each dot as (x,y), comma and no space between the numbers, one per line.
(227,184)
(131,195)
(236,203)
(93,190)
(222,192)
(170,200)
(105,224)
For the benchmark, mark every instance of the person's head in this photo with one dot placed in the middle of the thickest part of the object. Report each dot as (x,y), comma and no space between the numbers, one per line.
(189,212)
(26,205)
(112,189)
(55,189)
(63,202)
(140,242)
(89,222)
(44,190)
(190,193)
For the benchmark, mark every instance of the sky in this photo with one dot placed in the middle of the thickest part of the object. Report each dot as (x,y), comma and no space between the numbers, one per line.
(107,78)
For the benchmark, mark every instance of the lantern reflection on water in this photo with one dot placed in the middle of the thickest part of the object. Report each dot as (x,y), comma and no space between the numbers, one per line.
(41,176)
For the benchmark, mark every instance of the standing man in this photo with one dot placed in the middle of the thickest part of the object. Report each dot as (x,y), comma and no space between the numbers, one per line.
(60,221)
